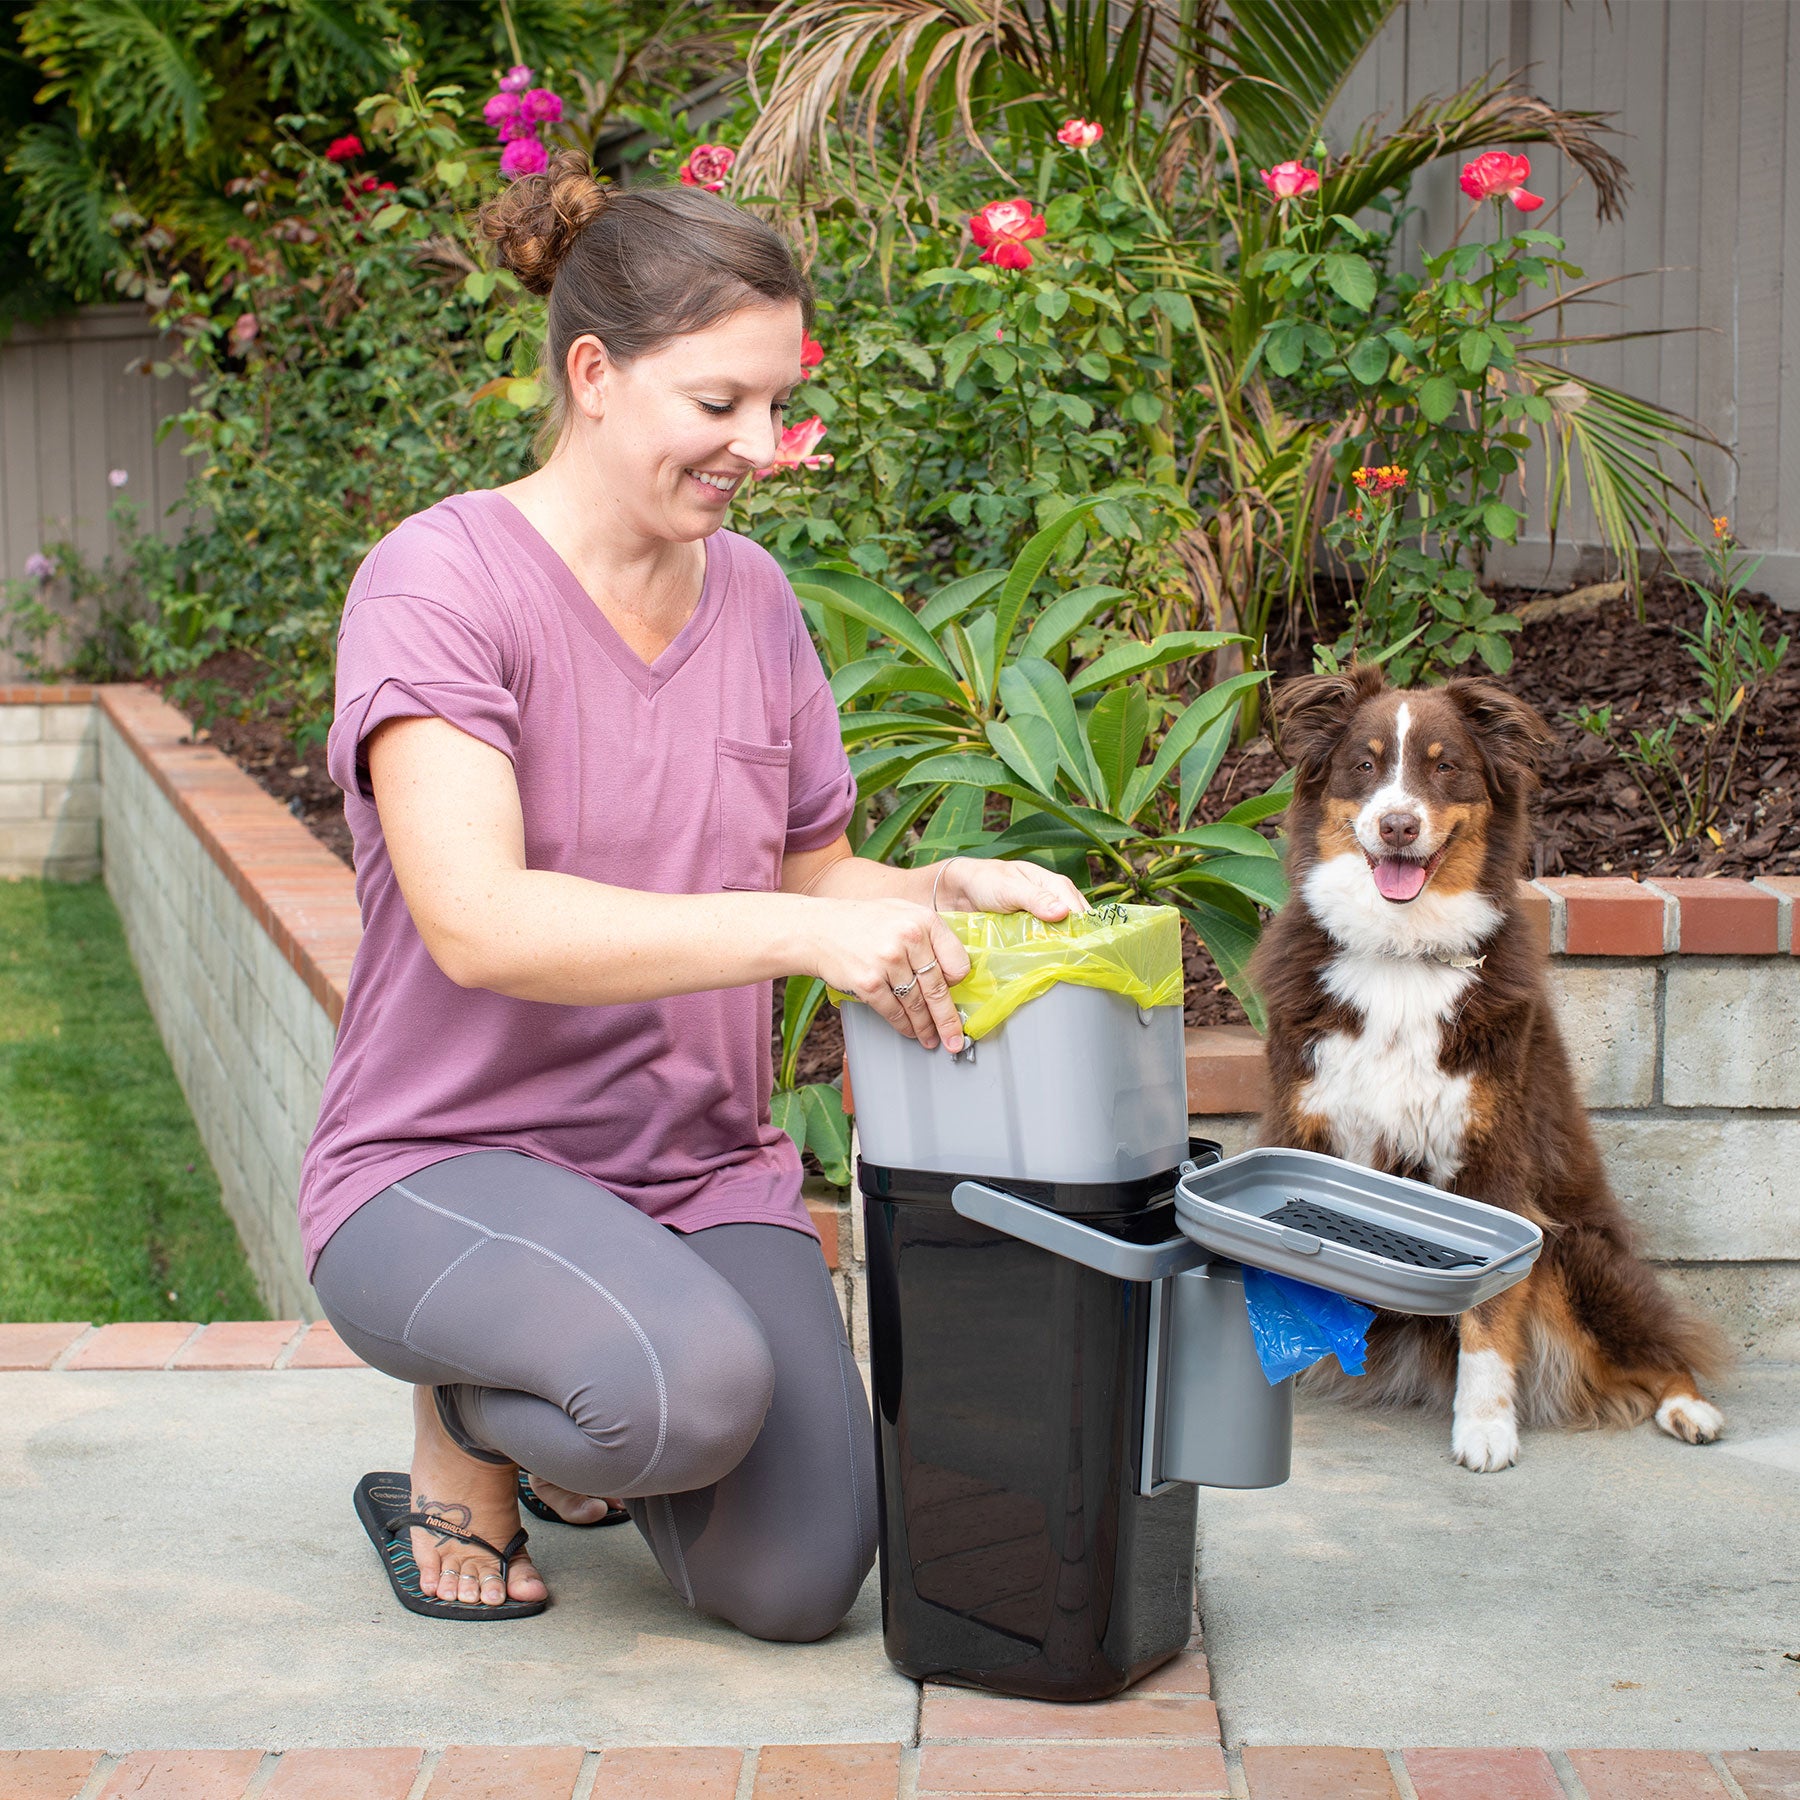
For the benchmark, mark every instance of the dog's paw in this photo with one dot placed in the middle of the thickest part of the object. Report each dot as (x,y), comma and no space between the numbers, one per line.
(1485,1445)
(1688,1417)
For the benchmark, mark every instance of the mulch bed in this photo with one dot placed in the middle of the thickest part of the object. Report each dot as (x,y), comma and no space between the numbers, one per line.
(1591,818)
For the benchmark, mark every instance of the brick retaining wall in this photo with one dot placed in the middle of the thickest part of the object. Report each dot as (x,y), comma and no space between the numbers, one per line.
(1680,1000)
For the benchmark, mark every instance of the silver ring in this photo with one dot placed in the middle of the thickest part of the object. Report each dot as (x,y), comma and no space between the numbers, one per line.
(906,987)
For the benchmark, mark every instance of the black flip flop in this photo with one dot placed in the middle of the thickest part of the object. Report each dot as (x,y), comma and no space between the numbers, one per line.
(528,1498)
(384,1504)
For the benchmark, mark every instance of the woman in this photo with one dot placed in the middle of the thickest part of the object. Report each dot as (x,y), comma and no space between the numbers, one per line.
(598,794)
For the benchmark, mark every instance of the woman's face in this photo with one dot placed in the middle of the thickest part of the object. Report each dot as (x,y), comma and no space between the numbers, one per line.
(674,434)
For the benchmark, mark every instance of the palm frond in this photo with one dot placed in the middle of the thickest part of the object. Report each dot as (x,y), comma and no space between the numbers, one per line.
(1487,111)
(127,65)
(65,205)
(824,66)
(1285,62)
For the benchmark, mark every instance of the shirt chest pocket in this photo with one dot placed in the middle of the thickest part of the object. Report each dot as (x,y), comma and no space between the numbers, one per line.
(752,807)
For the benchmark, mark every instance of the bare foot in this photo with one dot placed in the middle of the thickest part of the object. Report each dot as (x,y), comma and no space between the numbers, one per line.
(572,1508)
(469,1495)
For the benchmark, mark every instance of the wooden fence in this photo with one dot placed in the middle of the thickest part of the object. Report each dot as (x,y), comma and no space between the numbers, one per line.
(1706,102)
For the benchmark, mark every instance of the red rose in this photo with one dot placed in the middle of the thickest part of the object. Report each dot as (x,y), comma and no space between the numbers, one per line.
(344,149)
(706,166)
(1003,228)
(812,353)
(1289,180)
(1499,175)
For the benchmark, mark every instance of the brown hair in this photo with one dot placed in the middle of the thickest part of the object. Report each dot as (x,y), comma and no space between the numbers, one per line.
(634,269)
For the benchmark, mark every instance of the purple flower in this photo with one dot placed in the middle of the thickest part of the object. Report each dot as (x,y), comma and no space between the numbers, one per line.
(514,128)
(516,79)
(502,110)
(39,567)
(540,107)
(523,156)
(117,478)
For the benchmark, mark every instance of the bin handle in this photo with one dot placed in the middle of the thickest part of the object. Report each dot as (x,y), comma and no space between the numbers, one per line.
(1075,1242)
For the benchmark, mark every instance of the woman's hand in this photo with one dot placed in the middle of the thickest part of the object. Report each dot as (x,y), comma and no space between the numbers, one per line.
(984,884)
(876,948)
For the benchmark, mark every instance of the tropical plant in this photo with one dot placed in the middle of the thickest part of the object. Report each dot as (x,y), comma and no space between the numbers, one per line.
(980,734)
(811,1113)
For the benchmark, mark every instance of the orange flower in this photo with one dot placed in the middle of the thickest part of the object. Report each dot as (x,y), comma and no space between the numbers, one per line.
(1721,526)
(1381,480)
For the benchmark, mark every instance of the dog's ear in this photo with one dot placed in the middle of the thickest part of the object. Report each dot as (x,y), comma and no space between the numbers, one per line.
(1312,712)
(1511,734)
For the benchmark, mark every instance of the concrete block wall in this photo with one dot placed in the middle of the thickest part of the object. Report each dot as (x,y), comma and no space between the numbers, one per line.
(241,925)
(49,783)
(1680,1004)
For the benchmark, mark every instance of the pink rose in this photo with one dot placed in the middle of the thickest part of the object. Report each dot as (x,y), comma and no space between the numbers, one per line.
(516,79)
(39,567)
(344,149)
(117,478)
(1003,228)
(797,448)
(540,107)
(812,353)
(501,110)
(1289,180)
(523,156)
(243,331)
(706,166)
(1080,134)
(1499,175)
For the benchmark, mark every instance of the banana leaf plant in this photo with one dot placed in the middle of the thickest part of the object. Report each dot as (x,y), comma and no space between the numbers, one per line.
(811,1113)
(970,722)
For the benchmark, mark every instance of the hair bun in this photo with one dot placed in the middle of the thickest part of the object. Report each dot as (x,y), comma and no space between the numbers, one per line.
(536,220)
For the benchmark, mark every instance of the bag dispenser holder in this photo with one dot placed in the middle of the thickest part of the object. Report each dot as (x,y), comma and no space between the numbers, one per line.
(1209,1416)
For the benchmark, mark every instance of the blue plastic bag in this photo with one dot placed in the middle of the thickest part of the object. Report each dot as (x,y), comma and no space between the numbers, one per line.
(1295,1324)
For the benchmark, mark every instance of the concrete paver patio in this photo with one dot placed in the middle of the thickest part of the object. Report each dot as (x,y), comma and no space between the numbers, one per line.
(194,1580)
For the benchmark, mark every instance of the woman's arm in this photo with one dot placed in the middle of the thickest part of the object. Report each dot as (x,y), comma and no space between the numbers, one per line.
(455,833)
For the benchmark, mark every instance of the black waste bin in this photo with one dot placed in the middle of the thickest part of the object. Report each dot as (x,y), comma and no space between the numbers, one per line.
(1018,1550)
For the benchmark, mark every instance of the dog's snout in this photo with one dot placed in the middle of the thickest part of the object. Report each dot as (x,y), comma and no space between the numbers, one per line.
(1399,829)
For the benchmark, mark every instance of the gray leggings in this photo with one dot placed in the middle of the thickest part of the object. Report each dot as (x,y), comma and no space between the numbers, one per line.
(706,1379)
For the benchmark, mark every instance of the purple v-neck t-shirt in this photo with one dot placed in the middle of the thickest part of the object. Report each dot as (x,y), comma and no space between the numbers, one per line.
(694,774)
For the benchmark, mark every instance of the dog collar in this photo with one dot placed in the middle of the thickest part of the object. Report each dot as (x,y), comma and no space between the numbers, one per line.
(1451,961)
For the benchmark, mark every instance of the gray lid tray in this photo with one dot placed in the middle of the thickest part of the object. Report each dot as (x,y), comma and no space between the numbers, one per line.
(1396,1244)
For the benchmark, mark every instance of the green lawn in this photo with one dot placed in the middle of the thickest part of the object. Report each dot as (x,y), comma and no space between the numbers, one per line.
(109,1208)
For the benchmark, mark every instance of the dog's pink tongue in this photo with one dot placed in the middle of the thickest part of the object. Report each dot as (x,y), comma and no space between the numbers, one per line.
(1399,878)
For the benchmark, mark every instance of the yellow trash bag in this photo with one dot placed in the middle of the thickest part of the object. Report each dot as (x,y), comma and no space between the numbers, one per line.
(1013,957)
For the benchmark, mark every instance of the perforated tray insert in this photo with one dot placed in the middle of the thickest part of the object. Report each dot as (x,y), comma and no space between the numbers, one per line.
(1359,1234)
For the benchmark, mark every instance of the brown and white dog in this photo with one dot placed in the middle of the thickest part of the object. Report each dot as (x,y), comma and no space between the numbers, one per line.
(1410,1029)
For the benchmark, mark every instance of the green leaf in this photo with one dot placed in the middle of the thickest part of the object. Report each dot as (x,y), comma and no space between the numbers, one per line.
(799,1003)
(1052,303)
(1096,367)
(1064,616)
(1368,361)
(918,360)
(1265,805)
(861,599)
(1201,763)
(1284,349)
(1133,659)
(1063,214)
(1028,565)
(1350,277)
(787,1112)
(389,216)
(1142,407)
(960,768)
(1032,685)
(955,598)
(1257,878)
(1177,308)
(1227,839)
(1437,398)
(1027,745)
(1230,939)
(453,174)
(1501,520)
(1223,697)
(827,1130)
(1000,360)
(1473,349)
(1116,729)
(878,846)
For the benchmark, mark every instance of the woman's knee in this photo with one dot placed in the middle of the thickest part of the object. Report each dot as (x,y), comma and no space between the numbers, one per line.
(795,1599)
(717,1398)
